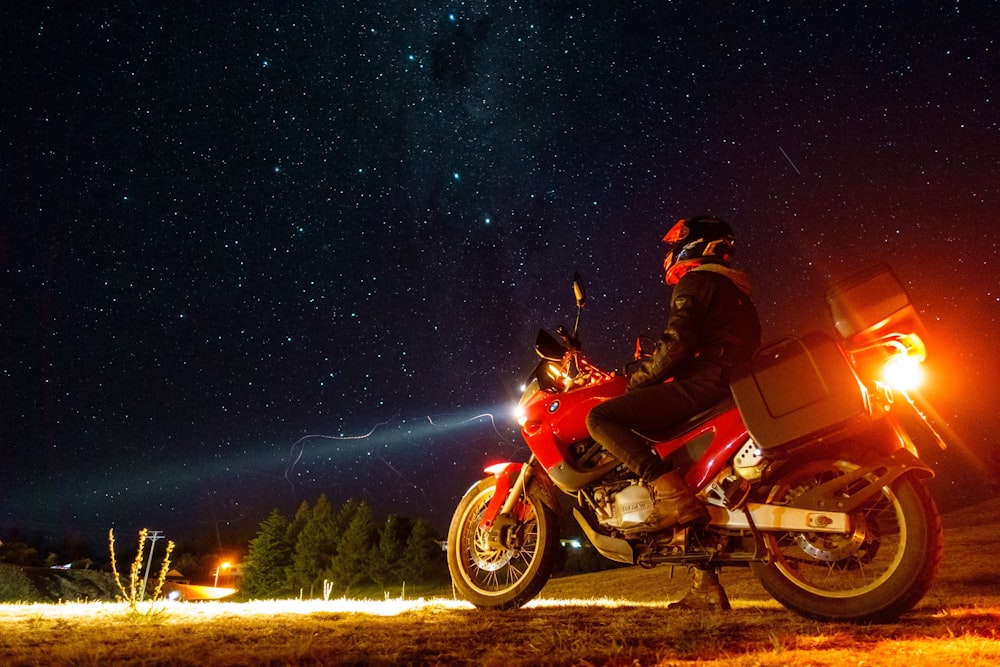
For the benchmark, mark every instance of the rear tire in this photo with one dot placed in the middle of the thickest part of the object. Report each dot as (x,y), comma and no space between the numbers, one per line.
(873,574)
(492,577)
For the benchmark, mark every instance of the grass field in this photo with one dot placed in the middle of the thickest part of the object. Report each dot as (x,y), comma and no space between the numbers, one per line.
(609,618)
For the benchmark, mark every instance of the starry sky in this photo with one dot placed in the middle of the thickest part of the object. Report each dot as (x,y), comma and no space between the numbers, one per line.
(251,252)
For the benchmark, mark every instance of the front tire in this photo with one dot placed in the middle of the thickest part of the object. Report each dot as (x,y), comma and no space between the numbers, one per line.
(873,574)
(493,577)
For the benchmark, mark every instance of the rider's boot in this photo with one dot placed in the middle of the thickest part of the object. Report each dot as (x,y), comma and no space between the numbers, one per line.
(673,502)
(706,593)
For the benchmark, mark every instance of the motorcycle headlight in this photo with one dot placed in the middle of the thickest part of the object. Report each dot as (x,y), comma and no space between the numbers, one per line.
(520,415)
(529,390)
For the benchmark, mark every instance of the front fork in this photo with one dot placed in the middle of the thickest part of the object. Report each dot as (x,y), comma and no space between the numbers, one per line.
(503,519)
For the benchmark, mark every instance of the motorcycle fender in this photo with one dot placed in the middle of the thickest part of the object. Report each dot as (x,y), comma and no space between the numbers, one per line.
(506,474)
(848,492)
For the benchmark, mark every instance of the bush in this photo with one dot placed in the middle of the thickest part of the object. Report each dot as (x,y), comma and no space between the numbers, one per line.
(15,586)
(40,584)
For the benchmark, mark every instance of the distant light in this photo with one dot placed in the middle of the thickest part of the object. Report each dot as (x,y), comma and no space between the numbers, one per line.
(455,175)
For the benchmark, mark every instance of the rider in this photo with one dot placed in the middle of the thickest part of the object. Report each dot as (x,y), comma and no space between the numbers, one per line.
(712,325)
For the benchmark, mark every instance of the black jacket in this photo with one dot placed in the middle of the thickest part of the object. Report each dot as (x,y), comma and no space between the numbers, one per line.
(712,325)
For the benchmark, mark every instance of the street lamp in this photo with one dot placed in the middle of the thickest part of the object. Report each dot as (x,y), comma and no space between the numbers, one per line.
(222,566)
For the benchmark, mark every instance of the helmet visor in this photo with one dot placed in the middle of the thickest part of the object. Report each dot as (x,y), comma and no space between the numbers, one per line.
(677,233)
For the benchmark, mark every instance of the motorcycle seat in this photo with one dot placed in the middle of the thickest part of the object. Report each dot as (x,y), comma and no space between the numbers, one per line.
(670,432)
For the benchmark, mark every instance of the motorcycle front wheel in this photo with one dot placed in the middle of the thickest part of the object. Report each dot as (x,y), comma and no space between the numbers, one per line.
(492,576)
(872,574)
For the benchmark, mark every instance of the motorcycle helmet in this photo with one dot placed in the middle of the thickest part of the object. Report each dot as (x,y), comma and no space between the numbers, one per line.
(695,241)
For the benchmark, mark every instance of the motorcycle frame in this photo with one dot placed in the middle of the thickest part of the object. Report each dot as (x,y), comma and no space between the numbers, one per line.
(553,423)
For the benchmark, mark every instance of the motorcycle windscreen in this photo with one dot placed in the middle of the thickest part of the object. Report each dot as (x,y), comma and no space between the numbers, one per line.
(800,390)
(548,347)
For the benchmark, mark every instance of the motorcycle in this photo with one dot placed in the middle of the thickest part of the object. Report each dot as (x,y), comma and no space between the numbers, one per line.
(809,471)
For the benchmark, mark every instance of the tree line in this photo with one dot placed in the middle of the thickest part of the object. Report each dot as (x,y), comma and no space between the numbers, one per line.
(346,548)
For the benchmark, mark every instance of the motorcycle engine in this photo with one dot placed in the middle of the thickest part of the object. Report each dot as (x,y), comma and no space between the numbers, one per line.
(626,508)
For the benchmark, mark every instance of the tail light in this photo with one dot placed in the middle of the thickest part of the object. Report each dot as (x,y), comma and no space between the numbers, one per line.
(903,370)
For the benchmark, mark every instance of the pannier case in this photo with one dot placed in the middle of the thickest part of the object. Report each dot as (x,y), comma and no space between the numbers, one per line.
(800,390)
(871,304)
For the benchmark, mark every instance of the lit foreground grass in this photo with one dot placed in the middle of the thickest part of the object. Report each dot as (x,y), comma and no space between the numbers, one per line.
(607,618)
(442,631)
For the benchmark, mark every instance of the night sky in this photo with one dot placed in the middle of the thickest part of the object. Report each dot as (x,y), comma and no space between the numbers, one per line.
(227,226)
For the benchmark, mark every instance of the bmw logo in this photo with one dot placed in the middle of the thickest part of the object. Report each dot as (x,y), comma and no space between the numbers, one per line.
(553,406)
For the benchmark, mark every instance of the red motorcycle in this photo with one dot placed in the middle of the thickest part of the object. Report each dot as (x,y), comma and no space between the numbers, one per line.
(810,472)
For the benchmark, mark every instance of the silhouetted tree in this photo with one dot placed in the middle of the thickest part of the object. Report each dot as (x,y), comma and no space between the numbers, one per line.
(422,553)
(350,565)
(19,553)
(189,564)
(342,519)
(316,543)
(346,546)
(383,565)
(270,553)
(298,522)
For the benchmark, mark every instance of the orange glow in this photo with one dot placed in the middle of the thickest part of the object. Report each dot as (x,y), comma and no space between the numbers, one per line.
(193,592)
(903,372)
(225,565)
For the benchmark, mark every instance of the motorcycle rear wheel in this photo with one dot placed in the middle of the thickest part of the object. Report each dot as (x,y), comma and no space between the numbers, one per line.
(873,574)
(492,577)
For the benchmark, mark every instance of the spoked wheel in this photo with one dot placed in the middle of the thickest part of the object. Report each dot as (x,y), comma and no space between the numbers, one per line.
(494,575)
(875,572)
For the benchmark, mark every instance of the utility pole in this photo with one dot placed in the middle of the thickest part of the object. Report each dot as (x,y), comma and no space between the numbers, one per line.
(153,536)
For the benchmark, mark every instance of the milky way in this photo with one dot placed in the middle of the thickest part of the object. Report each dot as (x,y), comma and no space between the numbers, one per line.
(226,227)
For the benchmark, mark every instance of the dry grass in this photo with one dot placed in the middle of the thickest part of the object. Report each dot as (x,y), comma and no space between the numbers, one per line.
(610,618)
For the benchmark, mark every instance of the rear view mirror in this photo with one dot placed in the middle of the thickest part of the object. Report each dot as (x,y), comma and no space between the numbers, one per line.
(581,298)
